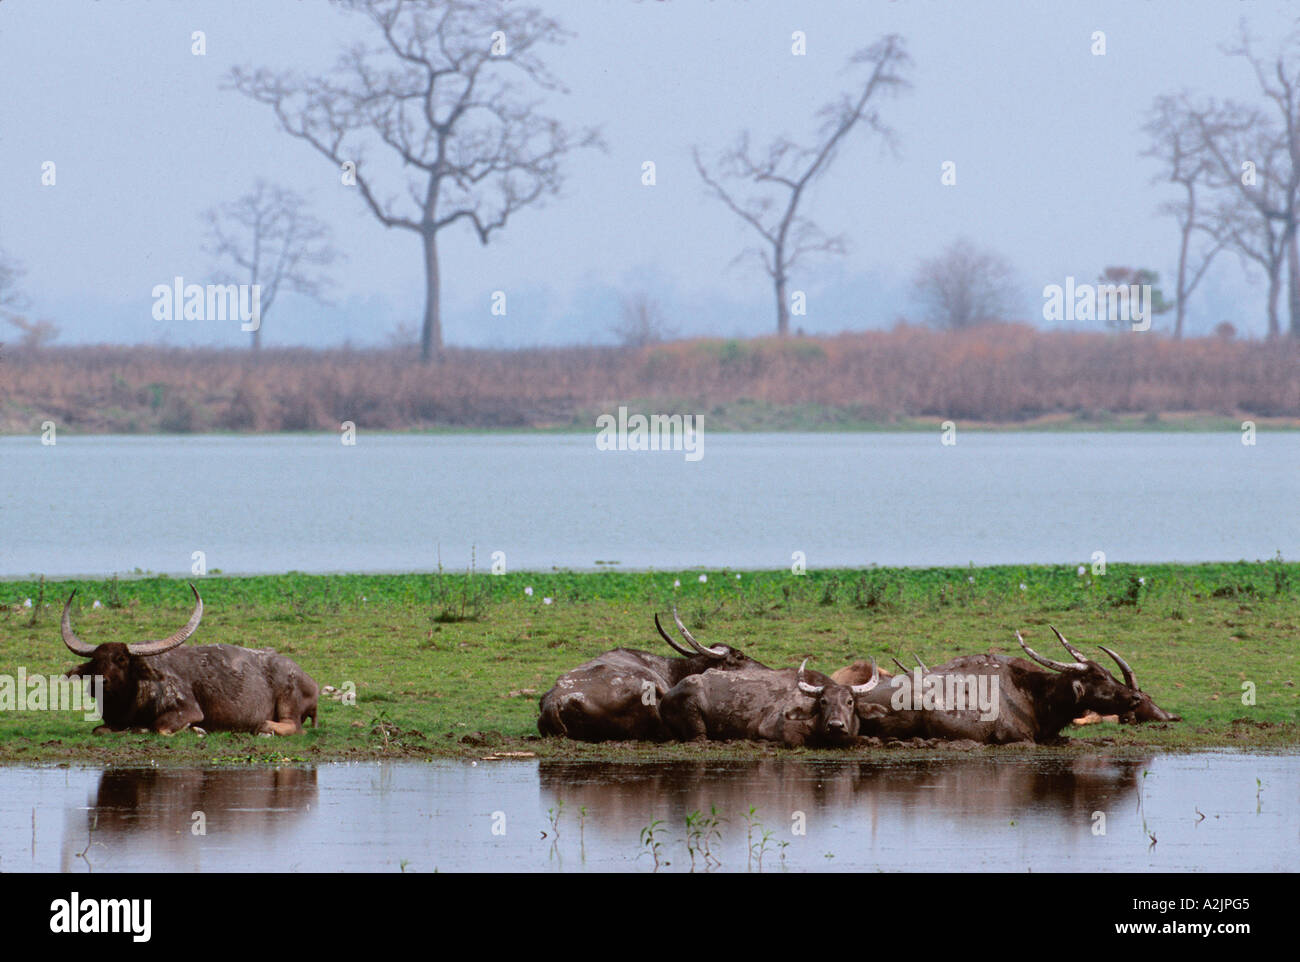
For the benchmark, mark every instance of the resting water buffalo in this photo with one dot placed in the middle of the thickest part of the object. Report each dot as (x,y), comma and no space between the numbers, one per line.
(616,696)
(788,705)
(160,686)
(997,699)
(1147,711)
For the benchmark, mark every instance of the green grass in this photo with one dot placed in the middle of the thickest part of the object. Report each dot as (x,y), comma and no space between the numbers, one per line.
(452,665)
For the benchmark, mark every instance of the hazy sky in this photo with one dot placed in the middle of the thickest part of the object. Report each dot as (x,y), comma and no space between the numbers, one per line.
(1045,136)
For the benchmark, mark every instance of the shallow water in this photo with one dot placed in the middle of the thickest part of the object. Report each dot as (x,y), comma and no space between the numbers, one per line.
(93,505)
(897,814)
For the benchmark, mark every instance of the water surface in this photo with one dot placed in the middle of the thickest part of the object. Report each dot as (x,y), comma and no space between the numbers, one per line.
(94,505)
(1036,813)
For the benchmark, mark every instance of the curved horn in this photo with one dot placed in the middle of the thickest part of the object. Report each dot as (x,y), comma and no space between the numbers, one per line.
(77,646)
(1079,656)
(866,686)
(671,644)
(902,667)
(919,661)
(805,687)
(711,652)
(1045,662)
(1129,678)
(170,642)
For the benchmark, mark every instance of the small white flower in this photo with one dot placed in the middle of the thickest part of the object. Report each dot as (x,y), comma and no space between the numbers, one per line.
(547,601)
(737,577)
(1022,586)
(703,578)
(971,579)
(677,583)
(529,591)
(1142,581)
(27,603)
(364,598)
(96,605)
(1082,570)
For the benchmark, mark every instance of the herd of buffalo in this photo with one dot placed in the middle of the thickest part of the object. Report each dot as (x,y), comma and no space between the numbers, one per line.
(708,693)
(720,693)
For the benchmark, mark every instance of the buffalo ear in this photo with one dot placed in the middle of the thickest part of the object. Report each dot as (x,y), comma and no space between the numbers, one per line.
(75,672)
(1078,689)
(800,714)
(871,711)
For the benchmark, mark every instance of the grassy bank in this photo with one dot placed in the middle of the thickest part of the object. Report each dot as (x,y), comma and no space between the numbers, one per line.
(1004,375)
(452,665)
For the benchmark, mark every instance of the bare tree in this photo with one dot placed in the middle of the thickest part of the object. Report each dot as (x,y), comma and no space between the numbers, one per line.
(1243,226)
(1172,127)
(11,298)
(1276,133)
(777,181)
(642,322)
(274,243)
(438,88)
(965,286)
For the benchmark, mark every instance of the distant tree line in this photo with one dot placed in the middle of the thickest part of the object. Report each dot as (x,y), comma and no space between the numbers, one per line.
(1235,167)
(445,92)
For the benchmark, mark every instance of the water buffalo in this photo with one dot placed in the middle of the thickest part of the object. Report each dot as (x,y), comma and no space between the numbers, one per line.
(998,699)
(616,696)
(163,687)
(1147,711)
(791,706)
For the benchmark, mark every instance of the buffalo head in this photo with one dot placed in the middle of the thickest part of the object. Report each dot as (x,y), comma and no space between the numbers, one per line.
(718,656)
(836,717)
(1093,686)
(113,660)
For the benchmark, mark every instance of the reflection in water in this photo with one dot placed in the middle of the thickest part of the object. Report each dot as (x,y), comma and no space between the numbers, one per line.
(1037,812)
(923,810)
(178,809)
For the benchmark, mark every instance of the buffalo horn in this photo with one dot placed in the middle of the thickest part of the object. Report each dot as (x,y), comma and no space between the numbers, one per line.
(807,688)
(1129,678)
(178,638)
(1045,662)
(671,644)
(711,652)
(1079,656)
(77,646)
(866,686)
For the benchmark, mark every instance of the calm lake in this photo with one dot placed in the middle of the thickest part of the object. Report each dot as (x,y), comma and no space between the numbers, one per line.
(97,505)
(1035,813)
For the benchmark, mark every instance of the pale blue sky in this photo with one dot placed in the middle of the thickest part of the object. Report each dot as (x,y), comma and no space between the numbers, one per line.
(1046,139)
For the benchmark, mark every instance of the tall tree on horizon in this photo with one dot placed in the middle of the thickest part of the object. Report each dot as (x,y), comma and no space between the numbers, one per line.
(275,244)
(1173,127)
(777,181)
(439,88)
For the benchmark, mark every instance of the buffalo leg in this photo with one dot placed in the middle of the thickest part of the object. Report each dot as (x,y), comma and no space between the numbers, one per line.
(279,728)
(169,723)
